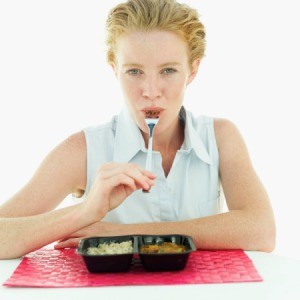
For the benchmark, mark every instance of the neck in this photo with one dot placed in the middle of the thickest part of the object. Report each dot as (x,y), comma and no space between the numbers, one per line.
(169,140)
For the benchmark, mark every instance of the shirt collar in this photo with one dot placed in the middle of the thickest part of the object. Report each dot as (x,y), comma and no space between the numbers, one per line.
(192,139)
(129,140)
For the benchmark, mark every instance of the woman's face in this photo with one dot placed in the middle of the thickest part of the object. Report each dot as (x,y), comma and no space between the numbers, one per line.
(153,71)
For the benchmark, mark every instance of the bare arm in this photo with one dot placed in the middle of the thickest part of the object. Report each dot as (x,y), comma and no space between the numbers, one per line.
(248,225)
(26,220)
(22,235)
(61,173)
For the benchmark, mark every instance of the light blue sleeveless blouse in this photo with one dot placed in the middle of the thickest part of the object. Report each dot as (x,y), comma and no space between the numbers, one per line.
(192,187)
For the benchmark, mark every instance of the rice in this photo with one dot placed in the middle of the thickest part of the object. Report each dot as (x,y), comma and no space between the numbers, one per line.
(112,248)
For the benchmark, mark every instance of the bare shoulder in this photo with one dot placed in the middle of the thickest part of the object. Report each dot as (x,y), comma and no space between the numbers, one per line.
(225,128)
(70,158)
(221,125)
(74,143)
(229,139)
(68,154)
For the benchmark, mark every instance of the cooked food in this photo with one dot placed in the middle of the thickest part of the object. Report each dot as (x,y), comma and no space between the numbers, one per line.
(165,247)
(152,113)
(111,248)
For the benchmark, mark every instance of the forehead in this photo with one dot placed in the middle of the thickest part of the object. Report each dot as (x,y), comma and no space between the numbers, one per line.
(155,46)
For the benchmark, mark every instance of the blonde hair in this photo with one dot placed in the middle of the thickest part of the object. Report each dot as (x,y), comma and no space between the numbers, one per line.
(146,15)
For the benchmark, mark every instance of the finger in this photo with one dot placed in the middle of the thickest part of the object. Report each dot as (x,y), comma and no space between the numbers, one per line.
(70,243)
(148,173)
(119,179)
(144,171)
(113,168)
(131,171)
(62,240)
(76,234)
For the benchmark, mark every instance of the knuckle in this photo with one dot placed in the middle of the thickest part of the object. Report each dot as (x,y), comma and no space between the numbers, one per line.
(127,169)
(121,176)
(106,165)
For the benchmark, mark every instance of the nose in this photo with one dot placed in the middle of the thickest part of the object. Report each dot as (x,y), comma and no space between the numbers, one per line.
(152,88)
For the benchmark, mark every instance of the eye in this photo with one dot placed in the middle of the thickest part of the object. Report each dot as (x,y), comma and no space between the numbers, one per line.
(134,72)
(168,71)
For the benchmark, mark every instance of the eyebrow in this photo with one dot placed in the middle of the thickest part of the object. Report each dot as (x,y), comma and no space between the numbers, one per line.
(160,66)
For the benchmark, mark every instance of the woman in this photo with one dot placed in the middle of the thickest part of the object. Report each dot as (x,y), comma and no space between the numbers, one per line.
(155,48)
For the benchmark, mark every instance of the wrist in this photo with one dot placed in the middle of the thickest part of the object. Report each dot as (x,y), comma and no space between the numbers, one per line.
(89,216)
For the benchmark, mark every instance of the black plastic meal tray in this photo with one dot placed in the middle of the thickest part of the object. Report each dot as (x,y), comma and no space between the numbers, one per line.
(165,261)
(121,262)
(96,263)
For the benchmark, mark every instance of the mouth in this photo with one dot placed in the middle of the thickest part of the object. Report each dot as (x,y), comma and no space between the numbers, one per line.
(152,113)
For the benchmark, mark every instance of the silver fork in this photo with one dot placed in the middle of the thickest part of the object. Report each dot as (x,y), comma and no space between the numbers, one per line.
(151,122)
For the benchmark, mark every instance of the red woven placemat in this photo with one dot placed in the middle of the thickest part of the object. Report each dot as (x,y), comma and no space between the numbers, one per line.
(64,268)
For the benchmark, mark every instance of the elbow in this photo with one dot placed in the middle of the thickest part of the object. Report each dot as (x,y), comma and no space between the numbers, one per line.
(268,246)
(262,242)
(267,237)
(260,234)
(11,255)
(12,252)
(5,256)
(269,243)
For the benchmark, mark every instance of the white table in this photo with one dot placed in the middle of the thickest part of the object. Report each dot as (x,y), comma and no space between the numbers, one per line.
(281,281)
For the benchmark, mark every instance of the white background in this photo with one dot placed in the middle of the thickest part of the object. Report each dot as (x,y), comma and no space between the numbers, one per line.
(54,81)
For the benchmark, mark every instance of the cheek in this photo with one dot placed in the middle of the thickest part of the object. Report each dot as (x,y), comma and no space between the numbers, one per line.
(129,87)
(128,84)
(177,87)
(179,80)
(131,93)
